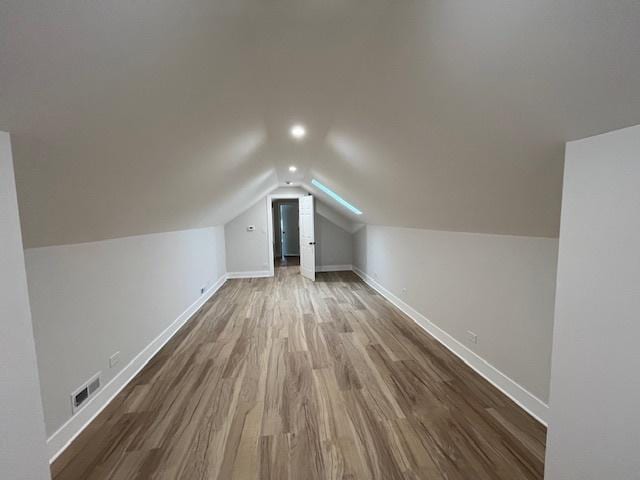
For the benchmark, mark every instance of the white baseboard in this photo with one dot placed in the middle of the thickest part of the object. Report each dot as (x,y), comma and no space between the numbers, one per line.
(334,268)
(516,392)
(61,439)
(266,273)
(254,274)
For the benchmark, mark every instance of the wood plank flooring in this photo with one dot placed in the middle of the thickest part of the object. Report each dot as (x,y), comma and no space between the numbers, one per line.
(283,378)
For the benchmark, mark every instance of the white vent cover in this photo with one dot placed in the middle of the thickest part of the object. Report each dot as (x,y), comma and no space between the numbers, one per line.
(94,385)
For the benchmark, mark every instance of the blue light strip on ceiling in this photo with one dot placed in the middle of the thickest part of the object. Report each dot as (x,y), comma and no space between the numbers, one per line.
(335,196)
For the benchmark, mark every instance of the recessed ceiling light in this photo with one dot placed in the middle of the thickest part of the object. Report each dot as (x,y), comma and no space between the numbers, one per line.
(293,168)
(298,131)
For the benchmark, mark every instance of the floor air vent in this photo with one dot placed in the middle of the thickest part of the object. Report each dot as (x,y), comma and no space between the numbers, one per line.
(85,392)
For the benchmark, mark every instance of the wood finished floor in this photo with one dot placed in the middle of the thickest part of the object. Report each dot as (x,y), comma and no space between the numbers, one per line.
(283,378)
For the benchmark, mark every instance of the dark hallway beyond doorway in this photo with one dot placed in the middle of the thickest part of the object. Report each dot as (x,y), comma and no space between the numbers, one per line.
(287,261)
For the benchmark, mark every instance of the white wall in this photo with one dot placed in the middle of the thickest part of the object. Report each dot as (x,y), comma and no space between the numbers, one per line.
(595,390)
(248,252)
(498,286)
(334,246)
(22,438)
(334,217)
(91,300)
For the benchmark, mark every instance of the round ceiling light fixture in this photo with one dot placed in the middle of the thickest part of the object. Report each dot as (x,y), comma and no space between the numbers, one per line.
(298,131)
(293,168)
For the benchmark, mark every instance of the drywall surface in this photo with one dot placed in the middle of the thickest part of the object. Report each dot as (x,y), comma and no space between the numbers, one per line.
(595,427)
(22,439)
(334,246)
(499,287)
(248,251)
(92,300)
(150,116)
(334,217)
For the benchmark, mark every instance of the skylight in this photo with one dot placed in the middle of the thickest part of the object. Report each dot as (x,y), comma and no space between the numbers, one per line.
(335,196)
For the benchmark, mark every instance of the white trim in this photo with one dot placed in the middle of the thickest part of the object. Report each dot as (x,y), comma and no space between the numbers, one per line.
(287,196)
(61,439)
(254,274)
(270,257)
(516,392)
(334,268)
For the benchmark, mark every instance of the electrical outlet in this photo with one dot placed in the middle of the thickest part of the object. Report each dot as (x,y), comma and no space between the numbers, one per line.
(404,290)
(473,338)
(114,359)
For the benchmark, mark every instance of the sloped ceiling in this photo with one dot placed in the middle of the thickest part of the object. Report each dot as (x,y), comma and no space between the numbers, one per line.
(145,116)
(324,207)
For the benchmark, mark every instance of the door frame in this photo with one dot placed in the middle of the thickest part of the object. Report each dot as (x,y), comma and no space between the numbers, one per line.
(270,199)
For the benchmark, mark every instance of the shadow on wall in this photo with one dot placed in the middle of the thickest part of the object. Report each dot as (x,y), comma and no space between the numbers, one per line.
(334,245)
(360,249)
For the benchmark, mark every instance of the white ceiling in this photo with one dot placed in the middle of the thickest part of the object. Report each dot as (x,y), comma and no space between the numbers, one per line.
(152,115)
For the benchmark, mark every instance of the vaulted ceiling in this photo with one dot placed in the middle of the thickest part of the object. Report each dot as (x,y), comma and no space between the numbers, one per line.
(145,116)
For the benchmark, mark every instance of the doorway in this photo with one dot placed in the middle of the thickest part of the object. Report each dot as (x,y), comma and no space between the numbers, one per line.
(286,233)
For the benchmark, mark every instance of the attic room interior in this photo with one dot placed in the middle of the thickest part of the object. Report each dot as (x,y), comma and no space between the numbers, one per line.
(319,239)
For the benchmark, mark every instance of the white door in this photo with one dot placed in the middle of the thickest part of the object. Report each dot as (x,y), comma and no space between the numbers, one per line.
(307,238)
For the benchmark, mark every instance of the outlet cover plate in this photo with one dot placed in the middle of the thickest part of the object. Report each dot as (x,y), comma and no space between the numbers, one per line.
(114,359)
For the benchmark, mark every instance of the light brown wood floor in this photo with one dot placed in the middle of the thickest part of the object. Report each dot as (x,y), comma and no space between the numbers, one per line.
(283,378)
